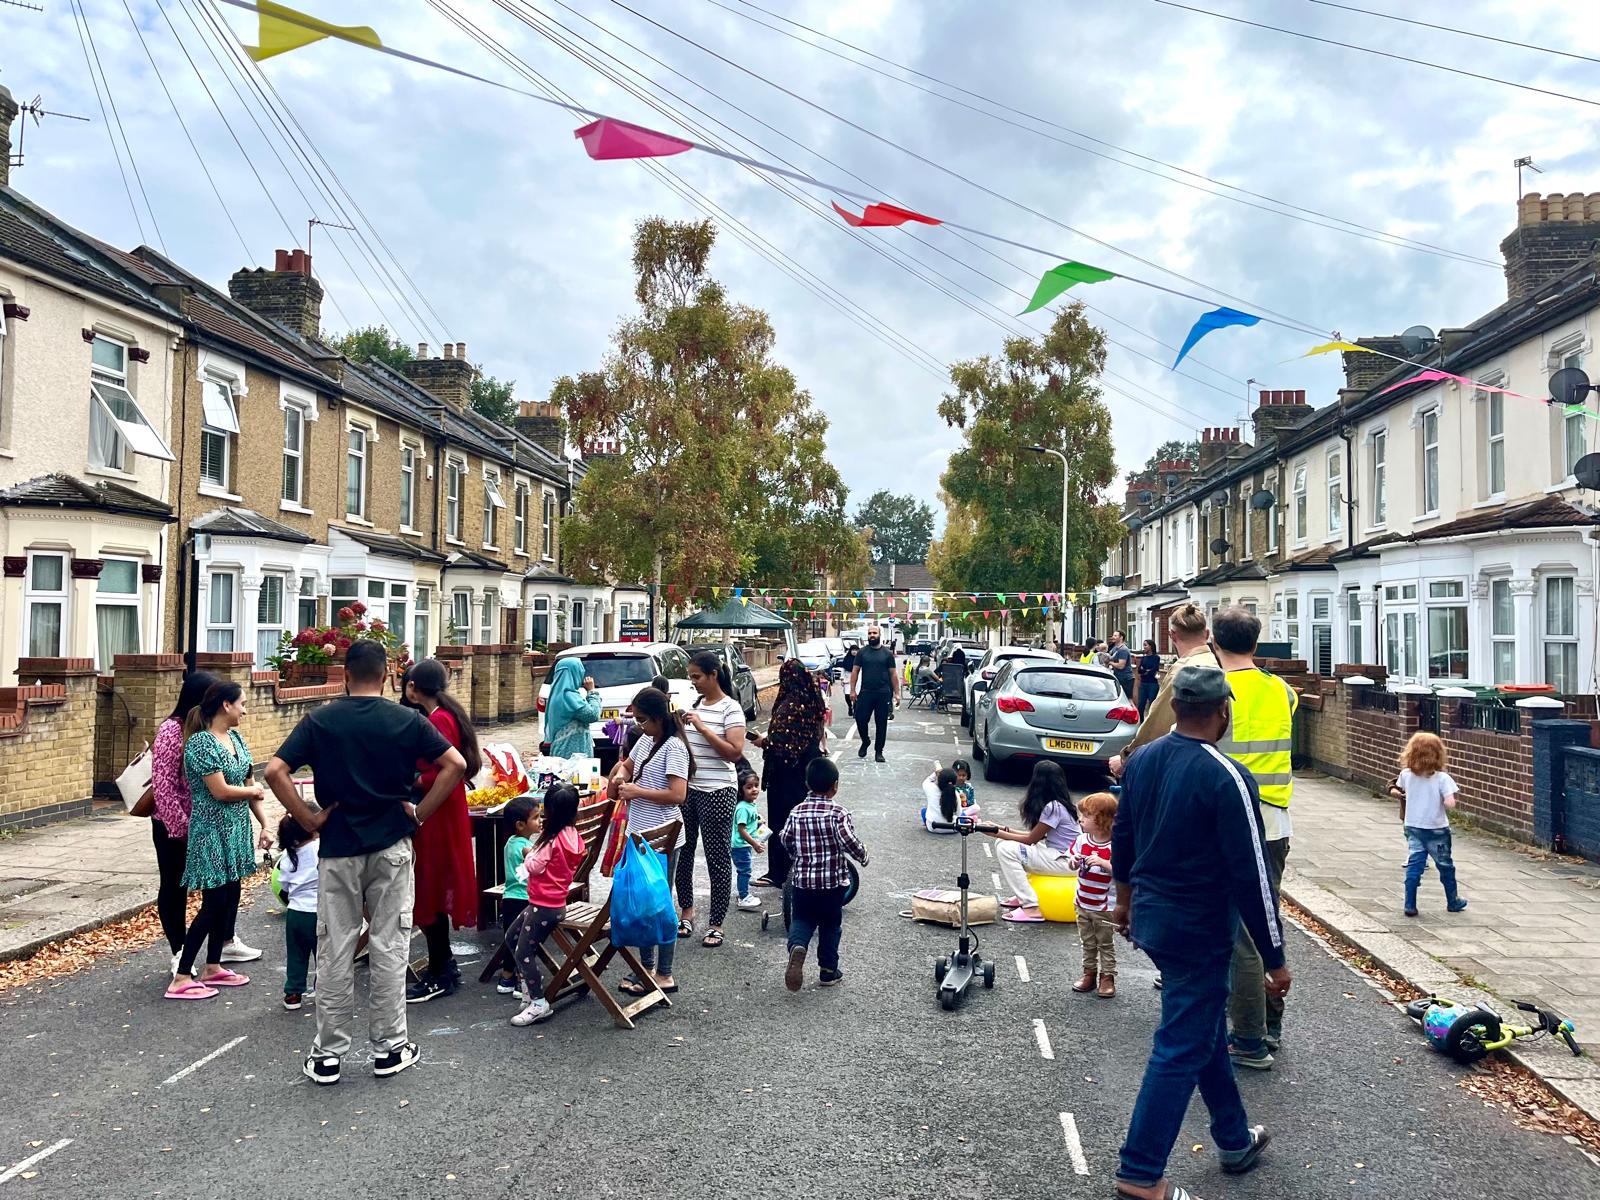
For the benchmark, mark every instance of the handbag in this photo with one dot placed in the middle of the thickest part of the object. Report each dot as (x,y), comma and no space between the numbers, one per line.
(138,796)
(642,912)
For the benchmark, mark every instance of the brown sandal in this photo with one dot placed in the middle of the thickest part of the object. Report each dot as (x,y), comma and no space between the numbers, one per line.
(1108,987)
(1086,984)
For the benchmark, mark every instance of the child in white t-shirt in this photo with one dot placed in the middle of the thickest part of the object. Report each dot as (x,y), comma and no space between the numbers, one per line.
(1426,793)
(297,887)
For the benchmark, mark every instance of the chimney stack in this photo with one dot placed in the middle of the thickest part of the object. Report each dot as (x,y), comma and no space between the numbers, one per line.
(542,424)
(1554,234)
(8,113)
(1362,371)
(1216,444)
(448,378)
(1278,410)
(287,294)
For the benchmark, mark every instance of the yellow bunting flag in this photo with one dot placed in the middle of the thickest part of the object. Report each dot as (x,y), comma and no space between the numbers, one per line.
(1330,347)
(284,29)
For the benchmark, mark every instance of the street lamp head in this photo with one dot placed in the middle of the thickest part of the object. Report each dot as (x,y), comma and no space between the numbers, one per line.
(1039,449)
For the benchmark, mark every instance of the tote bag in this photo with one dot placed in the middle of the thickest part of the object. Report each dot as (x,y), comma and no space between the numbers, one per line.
(642,912)
(134,784)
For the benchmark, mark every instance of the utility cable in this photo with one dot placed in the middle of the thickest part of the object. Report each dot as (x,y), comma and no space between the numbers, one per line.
(105,120)
(1487,37)
(86,35)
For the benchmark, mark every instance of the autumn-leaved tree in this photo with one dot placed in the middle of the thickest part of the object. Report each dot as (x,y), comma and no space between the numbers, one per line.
(721,472)
(1003,530)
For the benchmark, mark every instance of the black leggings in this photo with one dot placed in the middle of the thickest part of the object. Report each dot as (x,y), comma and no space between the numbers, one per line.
(219,912)
(172,898)
(709,817)
(527,934)
(437,934)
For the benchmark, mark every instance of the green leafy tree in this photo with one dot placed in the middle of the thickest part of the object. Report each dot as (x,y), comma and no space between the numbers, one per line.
(722,471)
(1003,532)
(901,527)
(1173,451)
(372,343)
(493,398)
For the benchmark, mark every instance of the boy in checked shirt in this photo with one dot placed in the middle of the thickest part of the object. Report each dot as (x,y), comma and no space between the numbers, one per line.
(818,835)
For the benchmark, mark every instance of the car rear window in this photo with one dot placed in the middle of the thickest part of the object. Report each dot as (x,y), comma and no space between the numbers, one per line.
(1066,684)
(619,670)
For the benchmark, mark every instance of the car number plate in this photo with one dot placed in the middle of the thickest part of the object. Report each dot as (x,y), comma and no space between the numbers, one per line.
(610,714)
(1069,745)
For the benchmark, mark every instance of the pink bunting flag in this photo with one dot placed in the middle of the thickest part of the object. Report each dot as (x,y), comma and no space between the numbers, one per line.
(883,214)
(610,138)
(1420,377)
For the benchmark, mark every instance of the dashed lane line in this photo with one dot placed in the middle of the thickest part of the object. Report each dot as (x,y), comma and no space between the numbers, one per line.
(1022,969)
(1069,1130)
(195,1066)
(33,1160)
(994,878)
(987,852)
(1043,1038)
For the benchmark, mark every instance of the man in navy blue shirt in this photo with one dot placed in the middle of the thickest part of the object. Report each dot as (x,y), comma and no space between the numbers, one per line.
(1187,855)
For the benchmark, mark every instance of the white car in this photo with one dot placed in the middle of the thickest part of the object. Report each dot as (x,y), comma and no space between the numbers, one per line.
(619,671)
(989,666)
(814,655)
(836,647)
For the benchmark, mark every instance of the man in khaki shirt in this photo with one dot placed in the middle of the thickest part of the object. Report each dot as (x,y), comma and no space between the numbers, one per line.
(1187,628)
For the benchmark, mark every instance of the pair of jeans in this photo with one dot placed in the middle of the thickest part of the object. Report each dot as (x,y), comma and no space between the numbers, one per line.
(819,913)
(1148,690)
(213,924)
(381,884)
(741,869)
(1099,941)
(527,935)
(172,898)
(708,815)
(300,944)
(658,959)
(1252,1013)
(873,707)
(1425,844)
(1189,1050)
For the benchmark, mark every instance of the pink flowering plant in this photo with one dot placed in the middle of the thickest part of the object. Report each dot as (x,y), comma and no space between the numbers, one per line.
(318,645)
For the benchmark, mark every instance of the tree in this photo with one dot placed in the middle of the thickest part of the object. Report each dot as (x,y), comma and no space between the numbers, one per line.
(901,527)
(493,398)
(1173,451)
(1003,530)
(372,343)
(721,472)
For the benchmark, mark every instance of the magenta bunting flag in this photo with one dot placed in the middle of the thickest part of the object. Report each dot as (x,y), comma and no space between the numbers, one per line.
(883,214)
(1419,377)
(610,138)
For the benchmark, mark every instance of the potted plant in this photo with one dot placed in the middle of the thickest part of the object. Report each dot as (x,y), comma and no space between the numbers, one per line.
(304,658)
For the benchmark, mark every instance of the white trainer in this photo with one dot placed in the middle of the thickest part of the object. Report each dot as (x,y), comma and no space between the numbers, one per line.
(237,951)
(538,1011)
(748,903)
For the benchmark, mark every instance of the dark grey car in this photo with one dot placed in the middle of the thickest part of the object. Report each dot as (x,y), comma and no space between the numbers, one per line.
(744,680)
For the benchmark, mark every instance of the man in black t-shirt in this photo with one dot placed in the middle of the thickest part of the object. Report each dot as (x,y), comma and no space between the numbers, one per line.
(875,684)
(363,750)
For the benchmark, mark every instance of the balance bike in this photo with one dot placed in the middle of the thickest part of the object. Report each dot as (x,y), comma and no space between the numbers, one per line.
(954,973)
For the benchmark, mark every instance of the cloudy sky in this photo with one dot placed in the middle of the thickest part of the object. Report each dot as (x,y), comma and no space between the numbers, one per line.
(518,244)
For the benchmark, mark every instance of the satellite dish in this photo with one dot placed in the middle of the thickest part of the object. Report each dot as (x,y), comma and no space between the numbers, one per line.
(1172,480)
(1569,386)
(1146,496)
(1261,499)
(1220,496)
(1135,524)
(1220,545)
(1418,339)
(1587,472)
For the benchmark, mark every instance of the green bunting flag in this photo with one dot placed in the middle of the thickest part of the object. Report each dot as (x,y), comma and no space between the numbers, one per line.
(1059,278)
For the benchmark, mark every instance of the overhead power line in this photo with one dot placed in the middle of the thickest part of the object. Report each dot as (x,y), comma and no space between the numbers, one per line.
(97,75)
(1487,37)
(1417,62)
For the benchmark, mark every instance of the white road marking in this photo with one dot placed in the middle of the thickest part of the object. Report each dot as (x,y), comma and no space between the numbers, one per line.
(1043,1039)
(987,852)
(195,1066)
(1069,1130)
(1022,968)
(994,878)
(32,1159)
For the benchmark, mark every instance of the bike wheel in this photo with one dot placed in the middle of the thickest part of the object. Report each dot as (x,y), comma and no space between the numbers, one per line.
(1418,1008)
(1469,1034)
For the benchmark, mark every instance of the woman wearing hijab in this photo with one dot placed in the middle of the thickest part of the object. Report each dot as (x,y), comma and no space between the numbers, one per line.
(570,709)
(793,738)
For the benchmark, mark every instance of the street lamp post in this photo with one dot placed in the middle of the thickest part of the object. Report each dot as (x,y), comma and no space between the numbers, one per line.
(1061,597)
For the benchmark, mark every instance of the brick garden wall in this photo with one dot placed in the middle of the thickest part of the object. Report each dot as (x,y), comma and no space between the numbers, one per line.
(47,741)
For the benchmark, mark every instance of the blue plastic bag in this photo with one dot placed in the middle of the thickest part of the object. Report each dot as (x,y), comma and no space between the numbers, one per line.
(642,912)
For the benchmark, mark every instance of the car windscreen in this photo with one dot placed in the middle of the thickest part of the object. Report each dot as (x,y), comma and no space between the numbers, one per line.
(1063,684)
(619,670)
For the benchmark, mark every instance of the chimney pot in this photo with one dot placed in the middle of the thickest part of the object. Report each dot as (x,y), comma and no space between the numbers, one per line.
(281,262)
(287,294)
(8,113)
(422,349)
(461,349)
(449,350)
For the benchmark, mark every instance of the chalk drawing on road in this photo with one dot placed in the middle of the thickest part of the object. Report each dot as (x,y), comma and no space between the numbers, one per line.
(1022,969)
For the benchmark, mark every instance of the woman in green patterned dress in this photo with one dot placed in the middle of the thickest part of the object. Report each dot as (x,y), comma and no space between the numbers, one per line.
(221,852)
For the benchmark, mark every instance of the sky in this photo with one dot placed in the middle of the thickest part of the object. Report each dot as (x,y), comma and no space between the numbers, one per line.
(493,228)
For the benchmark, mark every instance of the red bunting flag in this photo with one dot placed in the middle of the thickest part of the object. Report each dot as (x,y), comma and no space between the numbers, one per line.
(610,138)
(883,214)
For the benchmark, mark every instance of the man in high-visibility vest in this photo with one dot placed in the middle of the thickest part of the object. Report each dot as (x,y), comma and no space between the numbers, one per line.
(1259,739)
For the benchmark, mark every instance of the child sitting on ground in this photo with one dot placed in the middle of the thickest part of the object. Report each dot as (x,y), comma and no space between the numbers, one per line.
(746,843)
(818,835)
(297,887)
(1091,858)
(948,795)
(547,873)
(521,817)
(1426,794)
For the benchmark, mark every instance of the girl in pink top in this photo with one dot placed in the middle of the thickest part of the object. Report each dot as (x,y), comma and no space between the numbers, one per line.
(169,827)
(549,866)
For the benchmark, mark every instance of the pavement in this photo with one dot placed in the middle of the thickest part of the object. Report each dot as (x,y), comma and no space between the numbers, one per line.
(742,1089)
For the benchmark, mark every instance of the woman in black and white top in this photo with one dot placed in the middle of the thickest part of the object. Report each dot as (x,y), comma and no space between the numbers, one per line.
(715,730)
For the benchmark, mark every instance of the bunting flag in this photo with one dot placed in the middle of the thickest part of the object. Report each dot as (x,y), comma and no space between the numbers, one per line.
(283,29)
(609,138)
(1330,347)
(1059,278)
(883,215)
(1419,377)
(1217,318)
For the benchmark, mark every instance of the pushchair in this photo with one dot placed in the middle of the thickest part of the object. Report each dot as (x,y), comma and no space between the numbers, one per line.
(952,687)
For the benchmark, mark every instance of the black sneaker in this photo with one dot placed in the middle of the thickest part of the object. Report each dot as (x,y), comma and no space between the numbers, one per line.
(862,753)
(323,1070)
(830,978)
(396,1061)
(429,987)
(879,758)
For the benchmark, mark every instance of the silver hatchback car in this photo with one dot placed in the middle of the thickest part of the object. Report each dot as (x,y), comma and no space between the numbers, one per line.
(1069,712)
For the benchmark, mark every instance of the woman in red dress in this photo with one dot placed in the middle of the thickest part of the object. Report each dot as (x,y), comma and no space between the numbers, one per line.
(446,884)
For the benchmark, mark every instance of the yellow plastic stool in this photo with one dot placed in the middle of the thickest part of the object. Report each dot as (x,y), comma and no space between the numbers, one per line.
(1058,896)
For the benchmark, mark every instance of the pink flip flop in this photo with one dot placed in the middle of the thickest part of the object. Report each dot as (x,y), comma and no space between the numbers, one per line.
(1013,902)
(1017,917)
(225,978)
(190,991)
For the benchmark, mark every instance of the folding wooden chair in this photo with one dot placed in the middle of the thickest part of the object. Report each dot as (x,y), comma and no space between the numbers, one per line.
(593,821)
(578,937)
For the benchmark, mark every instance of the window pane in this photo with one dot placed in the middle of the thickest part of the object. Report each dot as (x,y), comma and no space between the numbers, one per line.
(1320,606)
(344,588)
(1504,613)
(1322,649)
(1505,662)
(1497,414)
(1449,589)
(405,498)
(44,630)
(306,615)
(1497,468)
(106,448)
(354,492)
(1447,643)
(1575,437)
(1560,612)
(213,458)
(291,428)
(221,607)
(109,356)
(269,602)
(49,572)
(216,402)
(419,637)
(291,479)
(376,589)
(219,641)
(117,632)
(1561,666)
(119,576)
(396,619)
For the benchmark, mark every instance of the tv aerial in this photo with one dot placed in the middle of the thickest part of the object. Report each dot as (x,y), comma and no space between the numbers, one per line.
(1419,339)
(34,108)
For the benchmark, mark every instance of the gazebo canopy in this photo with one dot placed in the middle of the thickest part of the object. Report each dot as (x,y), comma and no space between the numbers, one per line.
(735,614)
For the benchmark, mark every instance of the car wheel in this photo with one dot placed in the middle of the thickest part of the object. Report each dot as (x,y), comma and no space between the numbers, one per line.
(966,719)
(993,768)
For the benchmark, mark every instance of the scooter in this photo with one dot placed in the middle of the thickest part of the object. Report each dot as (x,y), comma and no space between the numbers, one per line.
(954,973)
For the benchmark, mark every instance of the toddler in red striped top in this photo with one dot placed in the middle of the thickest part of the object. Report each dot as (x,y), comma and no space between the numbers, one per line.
(1090,856)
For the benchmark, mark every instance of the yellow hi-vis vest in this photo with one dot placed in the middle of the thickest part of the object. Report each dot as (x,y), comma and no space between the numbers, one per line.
(1259,736)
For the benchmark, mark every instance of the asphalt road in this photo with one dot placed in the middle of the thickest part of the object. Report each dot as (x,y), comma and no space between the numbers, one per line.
(741,1089)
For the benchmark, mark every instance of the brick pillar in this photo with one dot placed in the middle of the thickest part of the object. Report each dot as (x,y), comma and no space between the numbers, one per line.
(515,704)
(57,754)
(149,685)
(459,661)
(1551,737)
(485,684)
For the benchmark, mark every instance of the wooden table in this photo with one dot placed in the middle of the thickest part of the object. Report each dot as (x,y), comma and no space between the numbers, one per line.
(489,838)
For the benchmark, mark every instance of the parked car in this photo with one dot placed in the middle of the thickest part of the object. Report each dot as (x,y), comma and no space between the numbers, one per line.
(744,680)
(1067,712)
(619,670)
(815,655)
(836,648)
(989,666)
(974,649)
(922,644)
